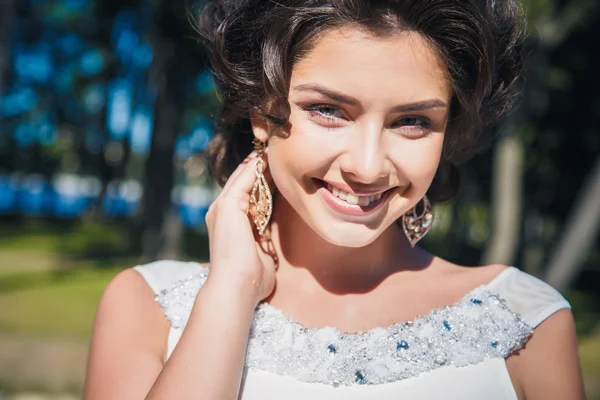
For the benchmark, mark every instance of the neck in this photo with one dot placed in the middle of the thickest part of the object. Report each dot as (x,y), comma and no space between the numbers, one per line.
(310,263)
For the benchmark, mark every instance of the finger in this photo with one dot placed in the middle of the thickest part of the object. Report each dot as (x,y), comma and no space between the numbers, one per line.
(239,169)
(241,185)
(247,168)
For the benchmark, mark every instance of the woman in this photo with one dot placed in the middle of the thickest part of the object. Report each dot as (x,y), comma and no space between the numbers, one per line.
(366,106)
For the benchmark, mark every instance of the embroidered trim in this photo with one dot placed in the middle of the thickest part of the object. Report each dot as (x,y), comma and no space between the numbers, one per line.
(478,327)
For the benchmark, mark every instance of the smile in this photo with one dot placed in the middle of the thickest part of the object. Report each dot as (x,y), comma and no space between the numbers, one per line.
(353,198)
(351,203)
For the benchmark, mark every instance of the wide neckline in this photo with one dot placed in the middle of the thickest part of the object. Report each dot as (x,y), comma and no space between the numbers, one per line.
(483,287)
(478,326)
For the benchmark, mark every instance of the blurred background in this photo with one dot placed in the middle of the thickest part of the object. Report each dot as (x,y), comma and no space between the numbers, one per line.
(105,112)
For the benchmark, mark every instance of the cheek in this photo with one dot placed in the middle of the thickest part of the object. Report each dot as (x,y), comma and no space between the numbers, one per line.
(278,169)
(288,164)
(418,160)
(306,151)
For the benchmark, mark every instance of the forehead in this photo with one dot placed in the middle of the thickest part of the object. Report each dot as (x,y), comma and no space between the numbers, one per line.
(371,67)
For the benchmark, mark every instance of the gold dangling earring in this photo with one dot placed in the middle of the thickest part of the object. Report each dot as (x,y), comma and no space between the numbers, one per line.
(261,201)
(416,227)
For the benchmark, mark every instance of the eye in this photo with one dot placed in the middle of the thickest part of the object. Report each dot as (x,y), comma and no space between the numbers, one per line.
(325,112)
(413,126)
(414,121)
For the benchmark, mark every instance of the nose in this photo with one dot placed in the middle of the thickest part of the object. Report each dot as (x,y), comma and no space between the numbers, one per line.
(365,157)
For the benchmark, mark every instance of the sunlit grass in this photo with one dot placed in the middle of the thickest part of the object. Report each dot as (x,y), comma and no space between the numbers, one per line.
(52,304)
(51,275)
(589,352)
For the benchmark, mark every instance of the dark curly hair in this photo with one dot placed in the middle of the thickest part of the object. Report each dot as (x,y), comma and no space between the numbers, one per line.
(254,44)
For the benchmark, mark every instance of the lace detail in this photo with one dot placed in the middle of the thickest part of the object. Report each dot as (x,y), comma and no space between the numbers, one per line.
(179,299)
(478,327)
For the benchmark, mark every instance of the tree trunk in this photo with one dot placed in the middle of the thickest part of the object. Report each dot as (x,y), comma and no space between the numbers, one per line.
(7,16)
(506,201)
(579,233)
(159,175)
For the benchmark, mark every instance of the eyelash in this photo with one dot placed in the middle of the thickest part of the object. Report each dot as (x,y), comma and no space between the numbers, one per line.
(315,112)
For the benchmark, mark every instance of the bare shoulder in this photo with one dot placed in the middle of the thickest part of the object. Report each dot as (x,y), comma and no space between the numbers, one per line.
(129,340)
(129,291)
(548,366)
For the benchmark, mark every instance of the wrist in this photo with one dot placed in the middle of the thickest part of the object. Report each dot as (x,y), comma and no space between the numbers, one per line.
(236,288)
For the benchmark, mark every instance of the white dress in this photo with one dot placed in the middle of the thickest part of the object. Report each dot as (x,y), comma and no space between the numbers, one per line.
(456,352)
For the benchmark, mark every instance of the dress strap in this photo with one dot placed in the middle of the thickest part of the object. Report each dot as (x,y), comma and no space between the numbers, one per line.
(162,275)
(530,297)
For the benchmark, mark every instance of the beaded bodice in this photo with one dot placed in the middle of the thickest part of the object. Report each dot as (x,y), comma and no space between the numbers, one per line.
(478,327)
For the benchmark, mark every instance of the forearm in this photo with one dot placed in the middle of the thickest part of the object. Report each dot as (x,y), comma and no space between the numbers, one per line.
(208,360)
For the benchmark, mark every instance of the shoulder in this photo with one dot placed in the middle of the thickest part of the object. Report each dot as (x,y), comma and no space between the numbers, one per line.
(130,333)
(128,338)
(531,298)
(548,365)
(127,304)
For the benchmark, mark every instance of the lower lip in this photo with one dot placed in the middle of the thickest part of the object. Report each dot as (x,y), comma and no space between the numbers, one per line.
(343,207)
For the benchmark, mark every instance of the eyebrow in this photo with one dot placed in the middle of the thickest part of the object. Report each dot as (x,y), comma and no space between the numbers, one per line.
(349,100)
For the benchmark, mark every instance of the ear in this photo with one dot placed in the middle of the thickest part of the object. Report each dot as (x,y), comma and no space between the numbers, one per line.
(260,126)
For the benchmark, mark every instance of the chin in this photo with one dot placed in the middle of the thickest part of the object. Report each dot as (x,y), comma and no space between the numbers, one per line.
(347,234)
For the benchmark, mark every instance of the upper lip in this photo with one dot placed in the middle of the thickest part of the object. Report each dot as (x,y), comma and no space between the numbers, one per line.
(362,192)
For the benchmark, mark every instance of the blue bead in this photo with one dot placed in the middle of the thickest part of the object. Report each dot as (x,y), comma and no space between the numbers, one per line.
(494,344)
(332,349)
(476,301)
(402,345)
(447,325)
(359,378)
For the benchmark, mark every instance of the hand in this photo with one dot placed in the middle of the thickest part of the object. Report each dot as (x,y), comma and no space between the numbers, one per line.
(236,254)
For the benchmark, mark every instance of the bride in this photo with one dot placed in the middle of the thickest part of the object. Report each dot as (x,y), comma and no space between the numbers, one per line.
(358,111)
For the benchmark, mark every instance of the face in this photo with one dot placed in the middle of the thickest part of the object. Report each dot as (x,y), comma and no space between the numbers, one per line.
(366,130)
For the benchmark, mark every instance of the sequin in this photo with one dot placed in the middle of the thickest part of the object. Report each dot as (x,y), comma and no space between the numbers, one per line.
(402,345)
(359,378)
(283,346)
(476,301)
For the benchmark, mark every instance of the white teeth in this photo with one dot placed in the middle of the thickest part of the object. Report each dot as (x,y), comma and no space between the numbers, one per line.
(352,198)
